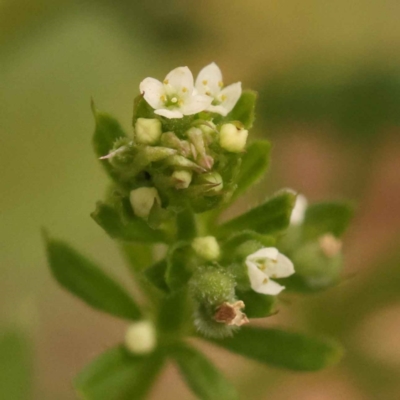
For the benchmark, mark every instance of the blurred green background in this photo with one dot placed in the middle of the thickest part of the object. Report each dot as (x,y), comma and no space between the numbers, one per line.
(328,74)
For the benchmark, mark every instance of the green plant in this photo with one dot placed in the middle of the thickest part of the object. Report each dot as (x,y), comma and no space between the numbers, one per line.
(187,161)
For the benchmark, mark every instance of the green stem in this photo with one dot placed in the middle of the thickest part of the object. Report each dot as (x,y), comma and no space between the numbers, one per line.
(186,225)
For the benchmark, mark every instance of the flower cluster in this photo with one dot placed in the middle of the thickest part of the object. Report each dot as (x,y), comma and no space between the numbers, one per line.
(186,147)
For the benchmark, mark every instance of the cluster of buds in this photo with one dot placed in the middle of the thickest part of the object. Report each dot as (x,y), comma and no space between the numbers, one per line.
(185,149)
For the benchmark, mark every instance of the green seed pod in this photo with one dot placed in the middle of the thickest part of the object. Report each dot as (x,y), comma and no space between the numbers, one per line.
(210,288)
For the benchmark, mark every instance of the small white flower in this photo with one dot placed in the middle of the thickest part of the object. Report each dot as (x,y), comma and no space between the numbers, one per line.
(299,210)
(265,264)
(140,337)
(142,200)
(175,96)
(209,82)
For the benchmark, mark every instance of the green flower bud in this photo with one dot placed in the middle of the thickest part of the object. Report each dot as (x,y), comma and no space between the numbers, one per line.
(169,139)
(182,162)
(182,178)
(147,130)
(206,247)
(212,183)
(319,262)
(195,136)
(140,337)
(158,153)
(142,200)
(232,139)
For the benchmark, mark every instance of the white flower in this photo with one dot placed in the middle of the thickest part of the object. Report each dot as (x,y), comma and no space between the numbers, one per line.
(265,264)
(299,210)
(175,96)
(209,82)
(140,337)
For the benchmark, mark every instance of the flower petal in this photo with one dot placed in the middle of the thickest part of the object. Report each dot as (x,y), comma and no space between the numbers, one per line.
(271,287)
(260,283)
(168,113)
(299,210)
(279,268)
(209,80)
(265,252)
(179,81)
(217,109)
(230,95)
(195,104)
(152,90)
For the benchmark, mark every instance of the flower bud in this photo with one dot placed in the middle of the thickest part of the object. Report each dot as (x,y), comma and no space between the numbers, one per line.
(213,182)
(147,130)
(206,247)
(142,200)
(182,178)
(232,139)
(140,337)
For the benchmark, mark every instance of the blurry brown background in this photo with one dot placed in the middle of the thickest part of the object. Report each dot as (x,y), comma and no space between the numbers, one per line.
(328,74)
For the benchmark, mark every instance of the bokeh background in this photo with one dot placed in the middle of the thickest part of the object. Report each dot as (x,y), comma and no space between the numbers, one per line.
(328,74)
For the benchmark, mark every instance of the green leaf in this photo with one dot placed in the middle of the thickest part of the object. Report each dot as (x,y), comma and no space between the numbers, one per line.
(283,349)
(332,217)
(15,366)
(255,162)
(201,376)
(84,279)
(107,131)
(118,375)
(179,263)
(244,109)
(141,109)
(257,305)
(270,217)
(156,275)
(136,229)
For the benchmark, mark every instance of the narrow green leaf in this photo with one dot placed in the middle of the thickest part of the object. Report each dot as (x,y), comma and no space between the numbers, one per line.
(244,109)
(84,279)
(332,217)
(156,275)
(270,217)
(257,305)
(107,131)
(201,376)
(118,375)
(135,229)
(283,349)
(255,162)
(15,366)
(179,263)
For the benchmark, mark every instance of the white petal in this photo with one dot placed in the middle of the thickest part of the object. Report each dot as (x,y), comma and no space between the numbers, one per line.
(179,81)
(280,268)
(231,94)
(260,283)
(265,252)
(218,109)
(271,287)
(299,210)
(195,104)
(152,90)
(209,80)
(168,113)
